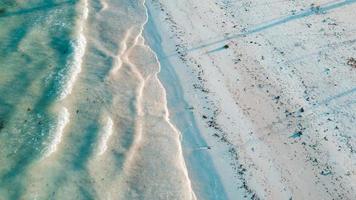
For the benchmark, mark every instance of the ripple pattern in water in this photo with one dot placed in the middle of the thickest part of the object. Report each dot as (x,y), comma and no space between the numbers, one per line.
(82,112)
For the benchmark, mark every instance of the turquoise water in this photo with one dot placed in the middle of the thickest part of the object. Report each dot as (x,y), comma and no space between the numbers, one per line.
(205,181)
(82,113)
(34,44)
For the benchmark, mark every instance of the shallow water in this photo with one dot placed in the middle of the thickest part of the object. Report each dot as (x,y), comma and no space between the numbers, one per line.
(82,112)
(206,182)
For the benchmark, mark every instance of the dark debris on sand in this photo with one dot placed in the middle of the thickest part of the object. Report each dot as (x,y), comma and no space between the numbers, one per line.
(351,62)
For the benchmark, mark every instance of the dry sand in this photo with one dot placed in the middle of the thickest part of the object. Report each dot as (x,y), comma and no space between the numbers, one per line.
(272,89)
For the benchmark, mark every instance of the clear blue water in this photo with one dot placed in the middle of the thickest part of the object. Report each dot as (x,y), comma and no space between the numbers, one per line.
(77,89)
(35,39)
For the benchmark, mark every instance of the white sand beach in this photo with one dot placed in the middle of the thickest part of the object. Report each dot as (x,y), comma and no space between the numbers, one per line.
(178,99)
(272,88)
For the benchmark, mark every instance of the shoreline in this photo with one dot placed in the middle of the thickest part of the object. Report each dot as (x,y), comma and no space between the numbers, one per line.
(200,161)
(274,125)
(184,100)
(174,99)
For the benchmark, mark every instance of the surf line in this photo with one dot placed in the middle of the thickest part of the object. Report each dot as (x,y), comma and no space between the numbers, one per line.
(107,132)
(140,89)
(74,66)
(122,53)
(182,164)
(63,120)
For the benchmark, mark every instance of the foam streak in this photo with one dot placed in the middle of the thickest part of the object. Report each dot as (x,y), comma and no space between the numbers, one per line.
(107,132)
(79,51)
(63,120)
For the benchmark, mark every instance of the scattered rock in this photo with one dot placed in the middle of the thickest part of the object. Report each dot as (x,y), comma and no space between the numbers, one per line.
(297,134)
(325,172)
(351,62)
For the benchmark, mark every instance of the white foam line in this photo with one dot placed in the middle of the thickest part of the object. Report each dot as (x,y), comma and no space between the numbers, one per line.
(63,120)
(107,132)
(140,113)
(123,49)
(74,70)
(164,99)
(139,40)
(75,66)
(124,58)
(104,5)
(178,141)
(139,129)
(85,9)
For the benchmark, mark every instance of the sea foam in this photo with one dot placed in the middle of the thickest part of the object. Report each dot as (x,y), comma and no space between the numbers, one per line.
(75,64)
(106,133)
(57,131)
(122,52)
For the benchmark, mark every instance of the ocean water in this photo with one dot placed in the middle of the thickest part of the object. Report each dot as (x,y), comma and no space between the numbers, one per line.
(83,114)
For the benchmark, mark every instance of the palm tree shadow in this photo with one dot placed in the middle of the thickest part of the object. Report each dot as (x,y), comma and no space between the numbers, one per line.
(4,13)
(313,10)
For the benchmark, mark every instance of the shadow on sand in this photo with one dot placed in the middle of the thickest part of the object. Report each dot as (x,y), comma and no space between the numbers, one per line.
(313,10)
